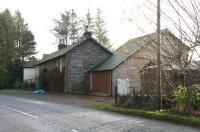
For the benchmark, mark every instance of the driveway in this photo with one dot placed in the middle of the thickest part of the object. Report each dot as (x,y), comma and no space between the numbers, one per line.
(32,115)
(83,100)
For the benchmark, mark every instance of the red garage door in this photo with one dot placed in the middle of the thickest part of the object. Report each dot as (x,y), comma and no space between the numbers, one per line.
(101,82)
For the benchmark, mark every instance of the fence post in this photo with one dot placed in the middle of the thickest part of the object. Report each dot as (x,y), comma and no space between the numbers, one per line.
(116,94)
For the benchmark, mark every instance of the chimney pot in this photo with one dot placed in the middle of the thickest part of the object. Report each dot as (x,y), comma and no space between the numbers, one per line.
(87,34)
(61,46)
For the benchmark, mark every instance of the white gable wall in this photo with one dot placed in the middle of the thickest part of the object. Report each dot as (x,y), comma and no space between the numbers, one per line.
(29,73)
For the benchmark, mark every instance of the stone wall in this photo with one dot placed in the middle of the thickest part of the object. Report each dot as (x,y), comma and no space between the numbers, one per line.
(131,67)
(193,77)
(148,82)
(82,59)
(55,63)
(55,83)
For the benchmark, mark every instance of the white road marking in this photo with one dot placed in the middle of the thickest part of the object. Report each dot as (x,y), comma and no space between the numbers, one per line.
(73,130)
(13,109)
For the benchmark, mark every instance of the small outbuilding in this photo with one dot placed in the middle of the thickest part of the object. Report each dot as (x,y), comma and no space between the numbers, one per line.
(29,71)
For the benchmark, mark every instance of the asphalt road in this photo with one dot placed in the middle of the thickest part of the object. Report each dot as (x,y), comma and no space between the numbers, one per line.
(25,115)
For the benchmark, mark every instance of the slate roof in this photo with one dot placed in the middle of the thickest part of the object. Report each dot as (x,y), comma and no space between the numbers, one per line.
(121,54)
(65,50)
(124,51)
(30,64)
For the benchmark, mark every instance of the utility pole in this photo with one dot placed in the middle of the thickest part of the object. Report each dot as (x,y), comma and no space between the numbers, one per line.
(158,69)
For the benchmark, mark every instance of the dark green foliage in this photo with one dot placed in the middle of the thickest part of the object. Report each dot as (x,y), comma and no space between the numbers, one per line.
(185,100)
(88,22)
(28,85)
(67,28)
(100,30)
(6,45)
(70,26)
(51,80)
(141,101)
(16,45)
(18,84)
(24,39)
(55,80)
(42,79)
(15,72)
(24,85)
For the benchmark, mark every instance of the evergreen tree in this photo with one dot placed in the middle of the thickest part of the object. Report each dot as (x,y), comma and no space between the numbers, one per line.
(100,30)
(16,44)
(88,22)
(74,27)
(67,28)
(7,40)
(62,28)
(25,44)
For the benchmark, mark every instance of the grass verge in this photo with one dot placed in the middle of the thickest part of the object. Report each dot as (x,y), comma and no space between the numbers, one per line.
(14,91)
(161,115)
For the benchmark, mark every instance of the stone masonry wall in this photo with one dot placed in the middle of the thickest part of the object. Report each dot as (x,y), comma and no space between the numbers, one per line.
(82,59)
(130,68)
(55,63)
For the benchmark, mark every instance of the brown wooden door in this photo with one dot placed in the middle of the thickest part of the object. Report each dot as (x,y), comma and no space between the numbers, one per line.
(101,82)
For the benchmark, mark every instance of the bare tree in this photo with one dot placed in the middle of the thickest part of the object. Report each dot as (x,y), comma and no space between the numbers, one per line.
(178,54)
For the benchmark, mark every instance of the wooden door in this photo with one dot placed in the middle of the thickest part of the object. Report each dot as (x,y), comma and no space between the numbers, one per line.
(101,82)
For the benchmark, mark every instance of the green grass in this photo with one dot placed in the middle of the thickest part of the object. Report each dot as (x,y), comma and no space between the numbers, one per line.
(14,91)
(161,115)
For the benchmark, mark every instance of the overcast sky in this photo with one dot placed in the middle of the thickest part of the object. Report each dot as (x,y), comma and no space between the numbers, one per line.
(124,18)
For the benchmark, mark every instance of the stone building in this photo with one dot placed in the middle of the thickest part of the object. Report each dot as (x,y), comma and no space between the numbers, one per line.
(86,64)
(129,59)
(75,61)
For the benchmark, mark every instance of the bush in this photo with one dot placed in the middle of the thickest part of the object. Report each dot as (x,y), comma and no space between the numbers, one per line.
(18,84)
(179,98)
(42,79)
(143,101)
(185,100)
(196,96)
(55,80)
(28,86)
(51,80)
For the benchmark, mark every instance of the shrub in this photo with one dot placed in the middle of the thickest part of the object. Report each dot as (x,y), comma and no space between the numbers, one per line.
(179,98)
(55,80)
(195,90)
(143,101)
(185,100)
(28,86)
(51,80)
(42,79)
(18,84)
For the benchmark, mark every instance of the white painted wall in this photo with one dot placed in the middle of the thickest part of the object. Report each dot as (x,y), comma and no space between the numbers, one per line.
(29,73)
